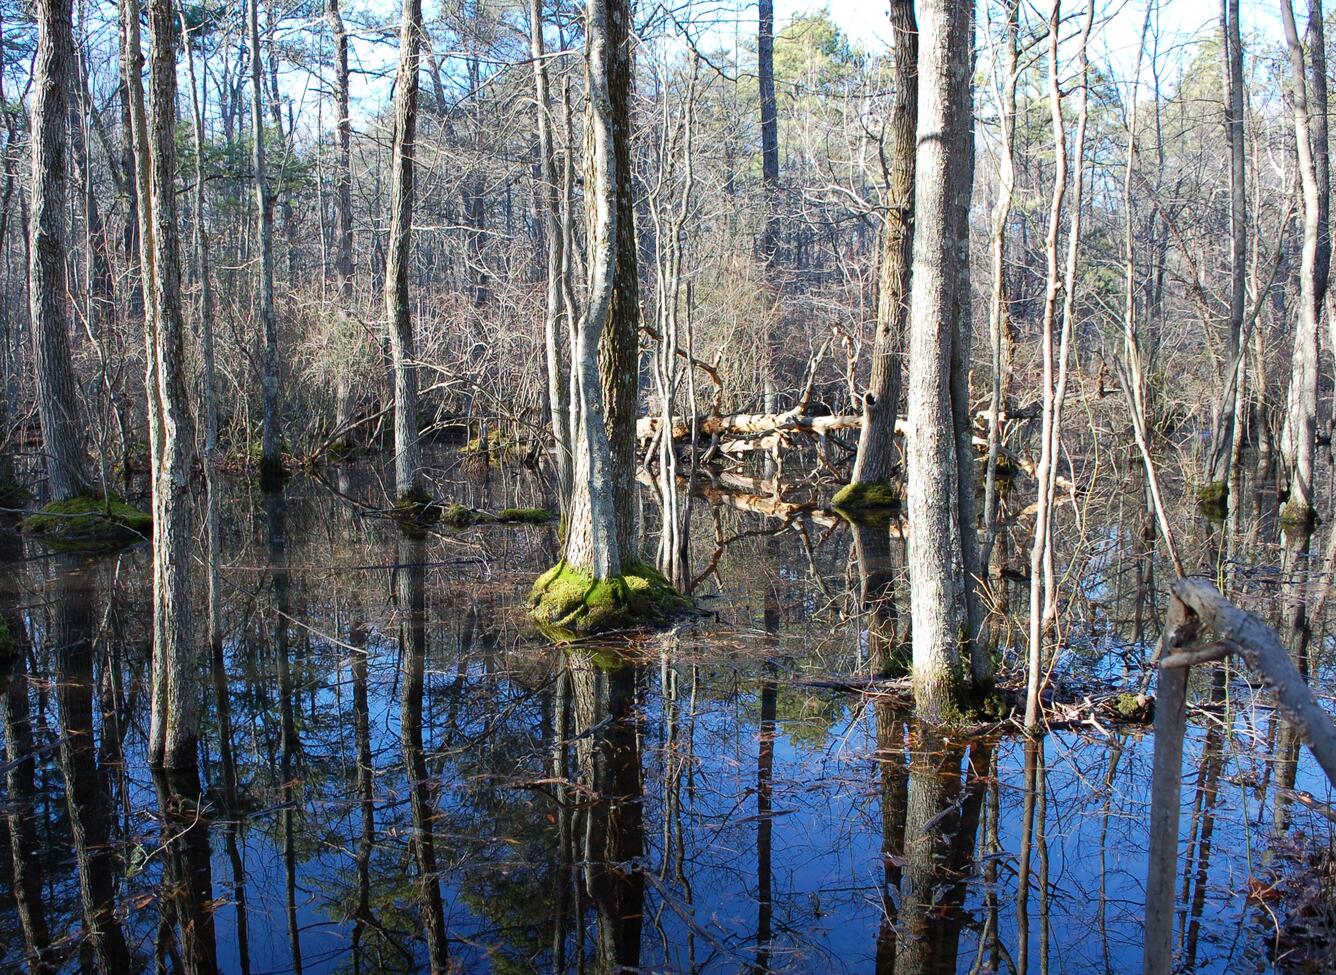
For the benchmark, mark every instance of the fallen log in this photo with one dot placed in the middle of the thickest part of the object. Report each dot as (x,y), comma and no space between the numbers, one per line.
(743,428)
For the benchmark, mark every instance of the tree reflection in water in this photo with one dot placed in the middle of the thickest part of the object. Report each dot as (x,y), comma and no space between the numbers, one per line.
(413,781)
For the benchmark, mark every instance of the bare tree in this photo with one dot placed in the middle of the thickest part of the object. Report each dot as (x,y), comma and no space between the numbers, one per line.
(271,464)
(1222,442)
(941,588)
(67,460)
(875,461)
(555,326)
(407,448)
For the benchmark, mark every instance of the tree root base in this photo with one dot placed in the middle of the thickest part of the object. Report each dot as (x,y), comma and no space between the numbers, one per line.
(568,603)
(88,524)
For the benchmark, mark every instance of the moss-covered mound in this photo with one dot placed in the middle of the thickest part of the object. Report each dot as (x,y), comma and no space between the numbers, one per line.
(87,524)
(869,496)
(567,603)
(524,516)
(1213,500)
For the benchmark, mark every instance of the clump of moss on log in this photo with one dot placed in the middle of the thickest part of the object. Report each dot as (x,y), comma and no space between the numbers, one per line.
(88,524)
(1213,500)
(568,603)
(461,516)
(1297,516)
(1132,708)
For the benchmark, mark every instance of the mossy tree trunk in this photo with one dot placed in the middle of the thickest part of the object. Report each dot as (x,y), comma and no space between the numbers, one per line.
(875,460)
(407,449)
(67,461)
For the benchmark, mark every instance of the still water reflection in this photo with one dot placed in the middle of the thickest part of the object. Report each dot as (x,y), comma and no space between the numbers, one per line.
(399,776)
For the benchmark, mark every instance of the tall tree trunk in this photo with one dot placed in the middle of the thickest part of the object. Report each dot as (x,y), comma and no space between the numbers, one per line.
(875,461)
(765,71)
(271,463)
(407,449)
(591,536)
(941,589)
(554,324)
(176,691)
(1222,441)
(619,353)
(343,209)
(67,461)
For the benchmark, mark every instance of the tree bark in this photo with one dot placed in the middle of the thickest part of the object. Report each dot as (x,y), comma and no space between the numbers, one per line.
(619,353)
(555,325)
(592,538)
(939,591)
(67,461)
(875,460)
(271,464)
(175,725)
(343,208)
(1222,442)
(407,448)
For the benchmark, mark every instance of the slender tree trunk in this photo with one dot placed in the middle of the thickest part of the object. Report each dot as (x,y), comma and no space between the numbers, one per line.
(271,463)
(407,449)
(619,351)
(1222,442)
(591,538)
(67,461)
(176,690)
(999,324)
(765,71)
(939,592)
(554,325)
(875,460)
(343,207)
(1301,421)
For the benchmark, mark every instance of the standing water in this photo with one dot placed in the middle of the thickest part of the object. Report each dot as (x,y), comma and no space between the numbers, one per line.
(416,780)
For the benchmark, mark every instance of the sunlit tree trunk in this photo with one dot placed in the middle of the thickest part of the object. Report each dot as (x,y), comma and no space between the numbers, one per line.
(176,691)
(407,448)
(940,587)
(67,462)
(1301,420)
(555,327)
(343,208)
(1222,442)
(875,460)
(619,352)
(271,464)
(591,539)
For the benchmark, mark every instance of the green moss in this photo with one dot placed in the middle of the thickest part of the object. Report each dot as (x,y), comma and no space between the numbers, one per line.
(416,510)
(1213,500)
(88,524)
(527,516)
(498,447)
(862,496)
(1137,708)
(1297,515)
(568,603)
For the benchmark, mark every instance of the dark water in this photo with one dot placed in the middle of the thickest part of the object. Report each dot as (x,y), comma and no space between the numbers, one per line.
(416,779)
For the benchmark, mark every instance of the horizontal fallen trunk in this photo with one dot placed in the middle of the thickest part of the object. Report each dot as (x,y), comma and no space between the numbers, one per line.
(744,428)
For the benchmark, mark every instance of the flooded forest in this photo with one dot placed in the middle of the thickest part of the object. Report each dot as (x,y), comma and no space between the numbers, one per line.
(609,486)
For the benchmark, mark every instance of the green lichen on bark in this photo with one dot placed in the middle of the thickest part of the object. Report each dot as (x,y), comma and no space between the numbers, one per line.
(568,603)
(88,524)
